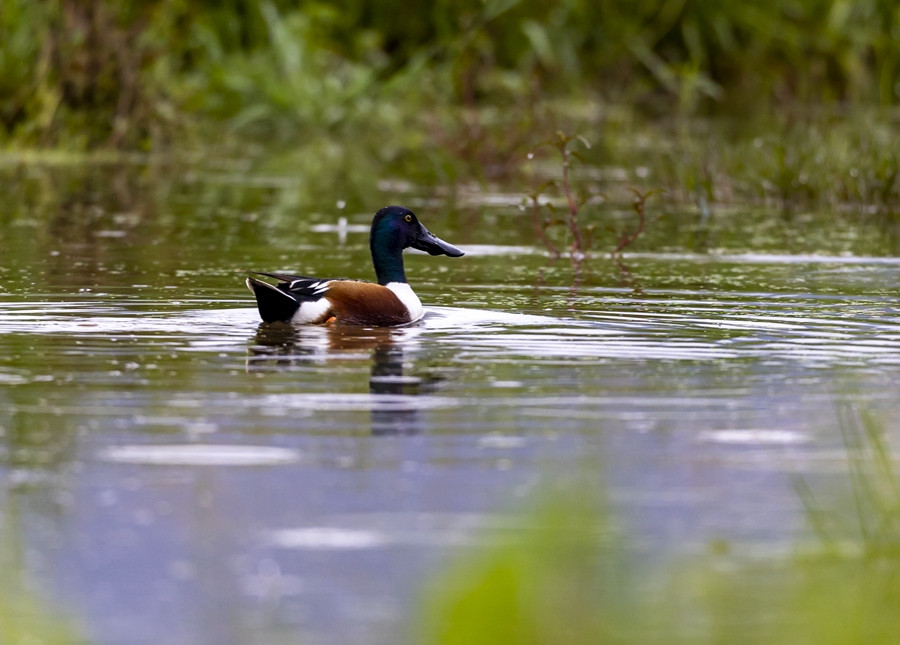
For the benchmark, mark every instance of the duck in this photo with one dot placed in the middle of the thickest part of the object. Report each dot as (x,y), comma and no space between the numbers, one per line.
(391,302)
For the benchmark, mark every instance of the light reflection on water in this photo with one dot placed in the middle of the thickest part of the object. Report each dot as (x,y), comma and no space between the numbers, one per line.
(805,329)
(177,460)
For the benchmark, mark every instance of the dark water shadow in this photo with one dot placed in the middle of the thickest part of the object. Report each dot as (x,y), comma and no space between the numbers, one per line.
(284,347)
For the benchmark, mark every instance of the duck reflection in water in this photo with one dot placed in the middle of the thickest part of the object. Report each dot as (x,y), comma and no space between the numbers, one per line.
(281,347)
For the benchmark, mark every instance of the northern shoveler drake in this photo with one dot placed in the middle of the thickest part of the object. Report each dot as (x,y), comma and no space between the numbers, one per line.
(312,301)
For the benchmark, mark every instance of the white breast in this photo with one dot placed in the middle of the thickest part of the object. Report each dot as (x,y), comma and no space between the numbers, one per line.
(409,299)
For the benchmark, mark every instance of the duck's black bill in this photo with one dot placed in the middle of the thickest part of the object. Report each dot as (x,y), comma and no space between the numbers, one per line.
(433,245)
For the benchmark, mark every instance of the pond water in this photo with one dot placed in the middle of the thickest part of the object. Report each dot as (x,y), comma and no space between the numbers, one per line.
(174,472)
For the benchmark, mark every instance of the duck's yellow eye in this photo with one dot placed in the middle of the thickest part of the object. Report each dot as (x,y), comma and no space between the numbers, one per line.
(408,218)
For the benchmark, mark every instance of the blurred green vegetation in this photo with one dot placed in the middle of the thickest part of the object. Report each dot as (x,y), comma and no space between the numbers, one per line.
(569,578)
(785,102)
(139,73)
(26,617)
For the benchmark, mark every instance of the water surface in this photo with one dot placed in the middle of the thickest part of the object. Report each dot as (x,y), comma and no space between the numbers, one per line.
(176,472)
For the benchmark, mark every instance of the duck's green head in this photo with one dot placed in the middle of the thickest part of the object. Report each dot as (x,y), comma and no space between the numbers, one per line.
(394,229)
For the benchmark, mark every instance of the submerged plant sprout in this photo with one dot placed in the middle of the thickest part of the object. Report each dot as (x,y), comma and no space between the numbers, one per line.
(653,402)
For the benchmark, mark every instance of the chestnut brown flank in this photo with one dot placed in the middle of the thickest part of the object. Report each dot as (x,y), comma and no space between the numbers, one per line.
(364,303)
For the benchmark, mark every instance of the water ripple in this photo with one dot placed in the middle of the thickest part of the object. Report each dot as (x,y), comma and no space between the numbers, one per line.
(651,329)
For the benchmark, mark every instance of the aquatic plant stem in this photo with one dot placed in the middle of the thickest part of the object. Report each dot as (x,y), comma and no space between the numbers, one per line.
(578,242)
(578,248)
(540,226)
(640,207)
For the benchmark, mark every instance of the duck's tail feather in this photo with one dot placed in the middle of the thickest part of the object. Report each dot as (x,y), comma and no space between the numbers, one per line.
(283,277)
(274,304)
